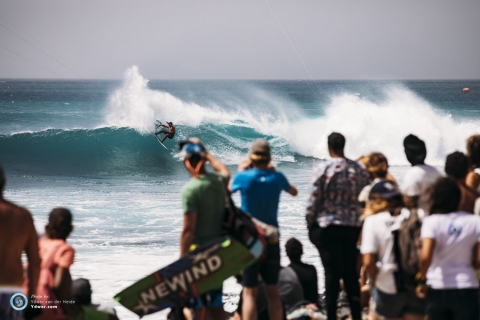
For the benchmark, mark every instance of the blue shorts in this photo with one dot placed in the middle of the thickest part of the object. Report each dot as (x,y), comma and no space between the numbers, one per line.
(399,304)
(6,309)
(211,299)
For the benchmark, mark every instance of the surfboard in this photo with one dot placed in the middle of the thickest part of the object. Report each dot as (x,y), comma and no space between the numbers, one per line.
(193,274)
(160,142)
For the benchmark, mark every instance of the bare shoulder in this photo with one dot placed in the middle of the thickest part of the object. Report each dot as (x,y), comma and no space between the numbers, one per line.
(18,212)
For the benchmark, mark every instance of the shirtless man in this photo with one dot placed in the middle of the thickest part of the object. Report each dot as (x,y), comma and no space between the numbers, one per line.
(170,133)
(17,234)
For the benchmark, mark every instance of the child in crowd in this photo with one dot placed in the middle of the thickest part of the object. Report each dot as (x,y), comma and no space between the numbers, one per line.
(450,242)
(57,256)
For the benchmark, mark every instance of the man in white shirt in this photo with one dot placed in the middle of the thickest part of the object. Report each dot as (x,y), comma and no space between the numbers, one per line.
(379,258)
(420,176)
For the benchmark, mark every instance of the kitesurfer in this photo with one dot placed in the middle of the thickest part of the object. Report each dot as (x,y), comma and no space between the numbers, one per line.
(170,133)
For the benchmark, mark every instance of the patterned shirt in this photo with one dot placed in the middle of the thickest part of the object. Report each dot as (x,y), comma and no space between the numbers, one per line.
(334,190)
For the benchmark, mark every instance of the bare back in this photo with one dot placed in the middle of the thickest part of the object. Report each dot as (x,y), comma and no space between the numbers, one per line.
(17,234)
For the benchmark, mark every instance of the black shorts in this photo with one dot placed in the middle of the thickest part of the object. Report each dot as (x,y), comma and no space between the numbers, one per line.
(268,268)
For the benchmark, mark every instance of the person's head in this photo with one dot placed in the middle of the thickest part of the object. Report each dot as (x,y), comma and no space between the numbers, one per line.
(170,124)
(294,249)
(336,144)
(193,153)
(82,291)
(415,149)
(377,165)
(456,165)
(59,224)
(473,151)
(2,180)
(260,153)
(384,196)
(444,196)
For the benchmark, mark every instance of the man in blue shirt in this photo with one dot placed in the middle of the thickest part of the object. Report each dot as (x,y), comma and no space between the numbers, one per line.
(260,186)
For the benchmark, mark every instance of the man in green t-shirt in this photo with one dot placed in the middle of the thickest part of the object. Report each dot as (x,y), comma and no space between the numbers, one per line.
(203,200)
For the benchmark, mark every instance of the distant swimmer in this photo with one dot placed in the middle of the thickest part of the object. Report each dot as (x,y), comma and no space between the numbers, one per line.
(170,133)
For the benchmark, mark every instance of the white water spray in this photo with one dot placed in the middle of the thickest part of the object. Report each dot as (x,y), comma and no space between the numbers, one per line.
(367,125)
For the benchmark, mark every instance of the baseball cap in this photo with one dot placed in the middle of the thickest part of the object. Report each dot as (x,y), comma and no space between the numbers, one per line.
(189,149)
(384,189)
(260,147)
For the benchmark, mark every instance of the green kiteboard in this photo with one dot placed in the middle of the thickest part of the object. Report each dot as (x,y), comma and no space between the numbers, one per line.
(195,273)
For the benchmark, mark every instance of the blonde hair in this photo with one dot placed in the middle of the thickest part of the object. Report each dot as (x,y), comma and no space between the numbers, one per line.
(378,204)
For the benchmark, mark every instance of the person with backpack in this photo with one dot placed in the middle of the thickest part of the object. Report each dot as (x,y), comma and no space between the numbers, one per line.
(260,186)
(203,201)
(449,255)
(333,221)
(394,297)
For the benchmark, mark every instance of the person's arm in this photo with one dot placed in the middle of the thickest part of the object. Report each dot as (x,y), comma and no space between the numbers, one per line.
(426,256)
(472,180)
(218,166)
(189,224)
(315,197)
(245,164)
(477,256)
(31,249)
(293,190)
(370,265)
(62,285)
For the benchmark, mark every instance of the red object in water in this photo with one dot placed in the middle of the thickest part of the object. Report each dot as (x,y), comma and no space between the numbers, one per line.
(466,90)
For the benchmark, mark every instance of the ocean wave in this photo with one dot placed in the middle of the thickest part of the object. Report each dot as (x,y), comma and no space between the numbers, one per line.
(368,124)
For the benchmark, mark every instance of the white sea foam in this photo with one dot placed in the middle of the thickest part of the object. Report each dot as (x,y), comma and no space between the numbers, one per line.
(368,125)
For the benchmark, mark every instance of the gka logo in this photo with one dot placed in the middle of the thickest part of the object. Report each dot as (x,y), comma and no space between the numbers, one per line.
(454,230)
(19,301)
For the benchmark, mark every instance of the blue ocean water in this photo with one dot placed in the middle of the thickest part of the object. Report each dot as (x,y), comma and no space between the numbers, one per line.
(88,146)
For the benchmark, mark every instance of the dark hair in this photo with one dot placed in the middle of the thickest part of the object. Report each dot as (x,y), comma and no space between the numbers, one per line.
(377,164)
(2,179)
(444,196)
(473,151)
(82,291)
(59,224)
(336,141)
(294,249)
(456,165)
(194,160)
(415,149)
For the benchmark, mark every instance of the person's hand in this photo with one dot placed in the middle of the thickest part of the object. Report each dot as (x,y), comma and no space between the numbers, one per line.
(421,291)
(245,164)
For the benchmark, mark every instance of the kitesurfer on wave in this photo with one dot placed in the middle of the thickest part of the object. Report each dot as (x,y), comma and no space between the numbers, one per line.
(170,133)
